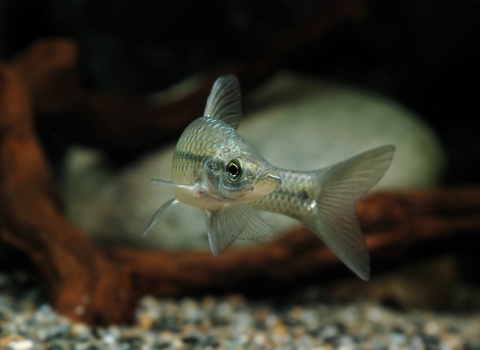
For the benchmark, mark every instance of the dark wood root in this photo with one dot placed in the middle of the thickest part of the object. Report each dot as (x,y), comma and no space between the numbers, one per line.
(80,280)
(393,224)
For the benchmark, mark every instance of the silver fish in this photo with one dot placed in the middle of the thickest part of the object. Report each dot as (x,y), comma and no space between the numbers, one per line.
(215,170)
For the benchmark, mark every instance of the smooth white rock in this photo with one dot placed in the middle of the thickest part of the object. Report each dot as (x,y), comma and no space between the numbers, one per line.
(296,123)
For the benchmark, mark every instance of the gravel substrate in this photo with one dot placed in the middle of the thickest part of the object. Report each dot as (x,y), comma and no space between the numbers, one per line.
(234,323)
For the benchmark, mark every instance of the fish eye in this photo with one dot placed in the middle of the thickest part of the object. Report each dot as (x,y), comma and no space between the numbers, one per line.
(234,169)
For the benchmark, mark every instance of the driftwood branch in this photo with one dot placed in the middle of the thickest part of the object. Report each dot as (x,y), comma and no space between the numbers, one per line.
(73,268)
(392,222)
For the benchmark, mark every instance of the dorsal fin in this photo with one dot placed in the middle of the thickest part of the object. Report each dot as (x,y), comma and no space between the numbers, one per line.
(225,101)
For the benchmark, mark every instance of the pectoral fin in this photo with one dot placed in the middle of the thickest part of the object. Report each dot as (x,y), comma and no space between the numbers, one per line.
(170,183)
(233,221)
(159,213)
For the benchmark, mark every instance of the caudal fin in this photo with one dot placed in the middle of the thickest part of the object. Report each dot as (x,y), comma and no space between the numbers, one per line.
(335,217)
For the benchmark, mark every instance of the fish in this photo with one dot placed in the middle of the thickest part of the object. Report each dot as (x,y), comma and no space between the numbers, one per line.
(215,170)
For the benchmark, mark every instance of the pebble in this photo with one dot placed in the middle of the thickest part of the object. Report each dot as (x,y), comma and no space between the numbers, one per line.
(20,345)
(233,322)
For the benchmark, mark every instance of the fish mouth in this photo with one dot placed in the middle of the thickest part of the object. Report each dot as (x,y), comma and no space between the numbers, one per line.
(268,181)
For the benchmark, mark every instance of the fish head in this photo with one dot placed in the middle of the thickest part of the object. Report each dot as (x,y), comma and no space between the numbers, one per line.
(239,174)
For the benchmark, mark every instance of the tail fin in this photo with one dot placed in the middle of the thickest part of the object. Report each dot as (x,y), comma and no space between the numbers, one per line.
(335,219)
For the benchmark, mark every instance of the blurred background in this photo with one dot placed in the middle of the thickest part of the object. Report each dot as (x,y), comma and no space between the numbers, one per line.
(416,62)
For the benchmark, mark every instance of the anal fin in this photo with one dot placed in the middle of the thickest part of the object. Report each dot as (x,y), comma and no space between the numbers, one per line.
(231,222)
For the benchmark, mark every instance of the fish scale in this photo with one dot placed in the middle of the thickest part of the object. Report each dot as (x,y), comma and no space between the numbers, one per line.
(294,198)
(200,141)
(194,147)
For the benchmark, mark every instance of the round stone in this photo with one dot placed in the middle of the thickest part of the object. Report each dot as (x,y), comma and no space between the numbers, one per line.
(294,122)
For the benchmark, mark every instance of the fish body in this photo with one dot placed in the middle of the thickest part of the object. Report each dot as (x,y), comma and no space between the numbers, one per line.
(215,170)
(201,158)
